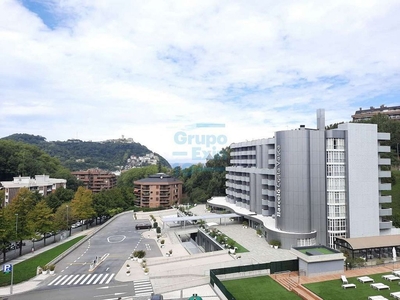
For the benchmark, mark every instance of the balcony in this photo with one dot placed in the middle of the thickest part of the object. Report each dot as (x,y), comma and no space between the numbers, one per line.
(264,192)
(385,174)
(384,161)
(385,186)
(385,199)
(385,225)
(264,202)
(383,149)
(384,212)
(383,136)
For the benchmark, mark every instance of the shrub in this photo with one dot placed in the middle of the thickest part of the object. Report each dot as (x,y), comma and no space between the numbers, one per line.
(158,230)
(275,243)
(141,253)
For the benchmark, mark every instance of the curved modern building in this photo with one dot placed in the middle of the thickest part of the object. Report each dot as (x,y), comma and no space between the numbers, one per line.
(308,186)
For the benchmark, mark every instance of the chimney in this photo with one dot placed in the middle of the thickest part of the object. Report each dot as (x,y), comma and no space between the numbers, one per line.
(321,119)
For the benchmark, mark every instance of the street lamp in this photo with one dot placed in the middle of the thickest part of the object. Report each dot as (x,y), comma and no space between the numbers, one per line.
(16,226)
(68,219)
(16,231)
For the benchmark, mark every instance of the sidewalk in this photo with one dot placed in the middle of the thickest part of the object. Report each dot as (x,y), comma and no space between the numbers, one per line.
(35,281)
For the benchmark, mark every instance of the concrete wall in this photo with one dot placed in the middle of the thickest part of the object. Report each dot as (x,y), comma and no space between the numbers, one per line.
(363,179)
(207,243)
(323,267)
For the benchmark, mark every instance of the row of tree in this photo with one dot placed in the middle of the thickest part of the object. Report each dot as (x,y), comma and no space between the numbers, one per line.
(30,215)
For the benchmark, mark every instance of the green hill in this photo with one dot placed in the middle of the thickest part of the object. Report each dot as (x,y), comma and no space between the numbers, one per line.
(80,155)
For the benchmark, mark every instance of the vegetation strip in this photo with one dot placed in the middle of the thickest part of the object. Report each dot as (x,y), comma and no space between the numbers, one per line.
(26,270)
(262,287)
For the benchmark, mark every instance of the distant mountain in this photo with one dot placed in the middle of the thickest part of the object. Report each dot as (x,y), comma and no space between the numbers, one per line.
(80,155)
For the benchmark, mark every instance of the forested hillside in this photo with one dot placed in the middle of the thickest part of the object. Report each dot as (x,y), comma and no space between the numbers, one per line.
(79,155)
(18,158)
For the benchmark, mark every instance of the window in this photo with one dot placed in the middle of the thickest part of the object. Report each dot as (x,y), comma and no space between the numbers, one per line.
(335,144)
(335,170)
(335,184)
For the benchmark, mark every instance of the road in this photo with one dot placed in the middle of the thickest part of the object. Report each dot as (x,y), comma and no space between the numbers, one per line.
(12,254)
(73,279)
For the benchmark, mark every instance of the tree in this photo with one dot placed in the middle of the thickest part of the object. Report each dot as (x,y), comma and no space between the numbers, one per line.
(72,182)
(63,217)
(60,196)
(2,197)
(82,205)
(128,177)
(7,230)
(41,219)
(19,210)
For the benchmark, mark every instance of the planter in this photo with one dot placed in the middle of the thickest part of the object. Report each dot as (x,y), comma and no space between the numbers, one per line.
(232,251)
(140,260)
(51,272)
(276,247)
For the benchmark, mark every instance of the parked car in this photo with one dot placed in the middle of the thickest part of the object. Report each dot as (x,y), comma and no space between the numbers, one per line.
(143,226)
(76,225)
(38,237)
(157,297)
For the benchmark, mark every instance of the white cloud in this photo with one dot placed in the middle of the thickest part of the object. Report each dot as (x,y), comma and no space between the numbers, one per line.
(147,69)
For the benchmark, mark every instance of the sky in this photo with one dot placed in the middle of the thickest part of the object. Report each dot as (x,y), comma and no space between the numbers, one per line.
(187,78)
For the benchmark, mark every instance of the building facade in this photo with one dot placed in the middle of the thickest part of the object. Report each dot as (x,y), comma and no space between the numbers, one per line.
(41,183)
(158,190)
(392,112)
(96,180)
(308,186)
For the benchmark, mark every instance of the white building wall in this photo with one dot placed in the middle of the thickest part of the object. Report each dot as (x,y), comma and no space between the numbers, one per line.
(363,181)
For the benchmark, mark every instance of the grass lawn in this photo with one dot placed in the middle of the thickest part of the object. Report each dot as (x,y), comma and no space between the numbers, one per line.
(333,289)
(263,287)
(240,248)
(25,270)
(319,249)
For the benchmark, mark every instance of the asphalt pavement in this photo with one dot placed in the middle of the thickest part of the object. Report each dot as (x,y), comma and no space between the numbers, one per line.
(181,274)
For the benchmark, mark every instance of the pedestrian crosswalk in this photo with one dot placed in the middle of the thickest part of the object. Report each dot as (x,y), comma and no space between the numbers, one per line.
(81,279)
(142,287)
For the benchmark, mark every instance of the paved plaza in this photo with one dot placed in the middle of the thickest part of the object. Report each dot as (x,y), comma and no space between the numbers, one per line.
(183,272)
